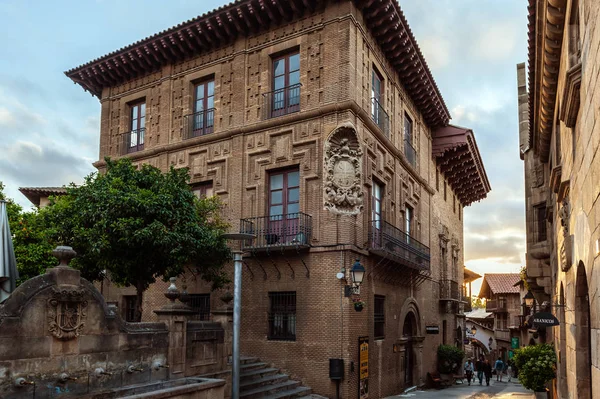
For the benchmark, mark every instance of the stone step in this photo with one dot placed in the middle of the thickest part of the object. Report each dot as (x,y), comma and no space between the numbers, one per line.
(252,366)
(248,359)
(270,379)
(269,389)
(291,393)
(258,373)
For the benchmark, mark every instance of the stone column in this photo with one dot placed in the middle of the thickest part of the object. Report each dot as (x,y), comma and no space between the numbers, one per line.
(175,315)
(224,316)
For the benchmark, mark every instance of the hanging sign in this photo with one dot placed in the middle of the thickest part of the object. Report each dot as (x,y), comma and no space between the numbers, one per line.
(363,369)
(432,329)
(514,342)
(544,319)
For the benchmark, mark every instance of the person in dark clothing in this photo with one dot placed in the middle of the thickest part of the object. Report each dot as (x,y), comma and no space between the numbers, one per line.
(479,370)
(487,371)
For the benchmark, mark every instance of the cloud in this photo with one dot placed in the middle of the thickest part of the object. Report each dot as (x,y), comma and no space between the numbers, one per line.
(500,250)
(31,164)
(496,41)
(436,51)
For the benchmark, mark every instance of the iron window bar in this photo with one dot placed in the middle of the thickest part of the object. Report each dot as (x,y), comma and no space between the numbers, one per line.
(380,117)
(282,101)
(282,316)
(199,123)
(133,141)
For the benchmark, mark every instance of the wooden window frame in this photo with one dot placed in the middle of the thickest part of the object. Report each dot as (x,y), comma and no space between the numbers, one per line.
(201,190)
(139,133)
(203,124)
(287,88)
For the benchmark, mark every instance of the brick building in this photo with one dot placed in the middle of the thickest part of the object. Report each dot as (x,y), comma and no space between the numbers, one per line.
(559,140)
(319,125)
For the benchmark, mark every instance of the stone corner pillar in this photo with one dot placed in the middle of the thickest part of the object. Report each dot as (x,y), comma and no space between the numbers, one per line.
(176,316)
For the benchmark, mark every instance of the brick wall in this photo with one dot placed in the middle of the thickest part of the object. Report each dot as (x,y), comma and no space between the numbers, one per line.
(337,57)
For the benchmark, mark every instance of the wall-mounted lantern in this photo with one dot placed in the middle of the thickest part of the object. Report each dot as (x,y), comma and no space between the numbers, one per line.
(529,299)
(473,330)
(357,274)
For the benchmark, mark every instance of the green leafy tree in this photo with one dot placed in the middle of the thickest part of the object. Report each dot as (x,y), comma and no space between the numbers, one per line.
(33,249)
(140,224)
(536,365)
(477,303)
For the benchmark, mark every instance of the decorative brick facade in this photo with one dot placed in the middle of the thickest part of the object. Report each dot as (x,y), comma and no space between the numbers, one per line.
(335,129)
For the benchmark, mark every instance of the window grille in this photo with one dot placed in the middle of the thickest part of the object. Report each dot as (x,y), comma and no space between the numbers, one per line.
(130,306)
(282,316)
(200,304)
(379,317)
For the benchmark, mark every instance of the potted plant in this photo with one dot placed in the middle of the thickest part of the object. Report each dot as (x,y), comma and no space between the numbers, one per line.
(449,359)
(359,304)
(537,367)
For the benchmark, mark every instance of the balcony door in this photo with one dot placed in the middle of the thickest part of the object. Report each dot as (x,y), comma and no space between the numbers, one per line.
(284,208)
(204,108)
(376,217)
(286,85)
(137,127)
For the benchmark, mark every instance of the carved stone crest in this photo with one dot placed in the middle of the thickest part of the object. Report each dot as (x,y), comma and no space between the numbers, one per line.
(537,176)
(66,311)
(343,177)
(564,214)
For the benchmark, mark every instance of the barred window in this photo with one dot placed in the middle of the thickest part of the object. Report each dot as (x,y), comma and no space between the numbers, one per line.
(282,316)
(200,303)
(539,215)
(129,307)
(379,317)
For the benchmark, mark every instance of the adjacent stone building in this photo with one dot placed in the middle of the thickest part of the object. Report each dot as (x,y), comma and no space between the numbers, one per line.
(321,128)
(559,135)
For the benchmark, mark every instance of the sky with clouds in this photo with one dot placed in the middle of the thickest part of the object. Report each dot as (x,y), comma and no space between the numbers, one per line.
(49,127)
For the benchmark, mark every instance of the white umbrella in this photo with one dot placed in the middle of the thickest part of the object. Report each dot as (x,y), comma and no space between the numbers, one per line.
(8,262)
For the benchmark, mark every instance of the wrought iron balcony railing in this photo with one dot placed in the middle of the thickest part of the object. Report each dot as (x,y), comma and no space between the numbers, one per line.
(495,305)
(410,153)
(450,291)
(503,334)
(198,124)
(282,101)
(380,117)
(133,141)
(389,241)
(292,230)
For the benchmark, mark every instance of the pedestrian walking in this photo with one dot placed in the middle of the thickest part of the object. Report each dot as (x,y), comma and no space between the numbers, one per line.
(499,367)
(509,371)
(479,369)
(487,371)
(469,370)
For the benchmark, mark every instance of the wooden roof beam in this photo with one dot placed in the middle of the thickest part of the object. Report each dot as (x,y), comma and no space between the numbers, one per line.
(150,50)
(196,31)
(268,6)
(257,11)
(246,15)
(309,4)
(240,28)
(287,14)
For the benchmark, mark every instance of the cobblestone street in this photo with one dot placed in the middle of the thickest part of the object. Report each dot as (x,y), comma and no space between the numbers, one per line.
(496,390)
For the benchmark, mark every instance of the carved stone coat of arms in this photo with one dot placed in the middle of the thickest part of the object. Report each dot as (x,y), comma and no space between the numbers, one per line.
(66,311)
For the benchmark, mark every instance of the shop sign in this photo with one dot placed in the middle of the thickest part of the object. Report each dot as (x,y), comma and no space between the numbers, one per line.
(432,329)
(363,356)
(544,319)
(514,342)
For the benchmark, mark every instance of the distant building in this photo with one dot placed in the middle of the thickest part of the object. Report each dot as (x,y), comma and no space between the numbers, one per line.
(504,302)
(40,196)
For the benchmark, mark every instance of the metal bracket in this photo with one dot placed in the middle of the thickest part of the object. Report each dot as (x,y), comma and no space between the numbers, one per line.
(250,270)
(306,267)
(276,268)
(263,269)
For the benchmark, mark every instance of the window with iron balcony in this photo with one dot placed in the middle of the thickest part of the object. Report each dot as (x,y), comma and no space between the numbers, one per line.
(380,117)
(409,149)
(285,97)
(202,120)
(133,139)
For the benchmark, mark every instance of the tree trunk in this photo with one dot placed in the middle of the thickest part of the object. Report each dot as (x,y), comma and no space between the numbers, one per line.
(138,302)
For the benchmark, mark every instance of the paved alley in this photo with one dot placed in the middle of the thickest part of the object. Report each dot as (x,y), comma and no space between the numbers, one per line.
(496,390)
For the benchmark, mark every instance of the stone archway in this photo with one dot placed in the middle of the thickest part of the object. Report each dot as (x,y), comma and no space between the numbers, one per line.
(409,330)
(412,340)
(583,353)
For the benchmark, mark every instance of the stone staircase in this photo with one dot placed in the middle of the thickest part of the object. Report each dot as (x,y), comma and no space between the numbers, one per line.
(258,380)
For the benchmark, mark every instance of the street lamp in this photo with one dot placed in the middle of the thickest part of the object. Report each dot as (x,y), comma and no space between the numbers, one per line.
(529,299)
(237,310)
(473,330)
(357,274)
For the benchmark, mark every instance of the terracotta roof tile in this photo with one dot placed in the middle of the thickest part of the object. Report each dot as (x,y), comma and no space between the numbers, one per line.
(502,283)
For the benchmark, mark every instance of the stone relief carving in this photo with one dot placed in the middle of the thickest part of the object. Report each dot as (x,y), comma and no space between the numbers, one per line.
(343,176)
(564,214)
(537,176)
(66,312)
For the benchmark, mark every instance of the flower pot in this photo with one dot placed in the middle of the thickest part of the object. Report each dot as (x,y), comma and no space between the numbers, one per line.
(358,307)
(227,297)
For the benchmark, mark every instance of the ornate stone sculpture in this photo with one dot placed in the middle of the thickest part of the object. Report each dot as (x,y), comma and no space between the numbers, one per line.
(66,311)
(343,177)
(564,214)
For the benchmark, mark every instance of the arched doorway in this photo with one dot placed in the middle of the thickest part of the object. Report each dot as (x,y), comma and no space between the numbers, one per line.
(409,330)
(583,353)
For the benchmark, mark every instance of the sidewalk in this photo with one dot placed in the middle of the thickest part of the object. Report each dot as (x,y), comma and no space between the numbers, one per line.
(496,390)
